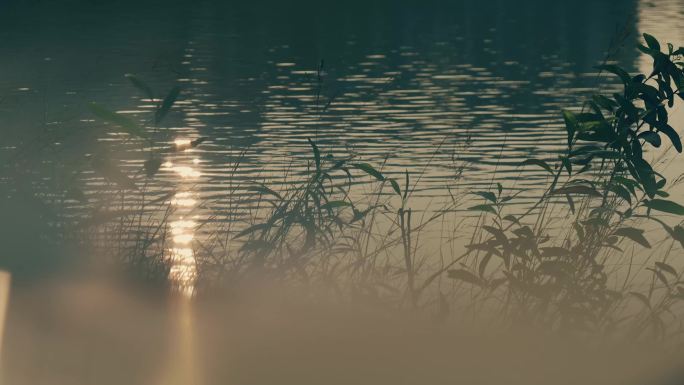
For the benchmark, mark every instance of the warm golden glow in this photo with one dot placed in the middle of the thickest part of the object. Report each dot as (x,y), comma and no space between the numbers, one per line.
(184,238)
(183,270)
(186,171)
(4,300)
(184,199)
(182,142)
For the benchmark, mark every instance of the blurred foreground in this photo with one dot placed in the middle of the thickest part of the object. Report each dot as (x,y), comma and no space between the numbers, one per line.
(82,332)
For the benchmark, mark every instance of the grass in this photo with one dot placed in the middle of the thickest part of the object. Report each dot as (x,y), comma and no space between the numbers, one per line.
(577,260)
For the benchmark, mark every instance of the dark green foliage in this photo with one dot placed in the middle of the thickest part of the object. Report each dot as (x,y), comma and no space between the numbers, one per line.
(566,279)
(307,215)
(629,120)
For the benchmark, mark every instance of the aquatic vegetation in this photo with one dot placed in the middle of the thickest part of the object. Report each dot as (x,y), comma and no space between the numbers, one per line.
(559,279)
(551,265)
(610,189)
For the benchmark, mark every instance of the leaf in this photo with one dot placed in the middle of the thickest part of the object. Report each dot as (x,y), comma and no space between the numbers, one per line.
(511,218)
(487,208)
(637,150)
(466,276)
(368,169)
(621,192)
(123,122)
(151,166)
(641,298)
(335,204)
(671,133)
(637,235)
(628,183)
(659,274)
(524,232)
(488,195)
(622,74)
(188,145)
(256,244)
(645,49)
(597,222)
(579,230)
(678,234)
(555,268)
(537,162)
(665,206)
(549,252)
(646,176)
(578,189)
(198,141)
(497,233)
(395,186)
(604,102)
(486,246)
(483,264)
(166,105)
(317,153)
(650,137)
(652,42)
(566,163)
(112,173)
(667,268)
(570,125)
(142,86)
(251,229)
(262,189)
(571,203)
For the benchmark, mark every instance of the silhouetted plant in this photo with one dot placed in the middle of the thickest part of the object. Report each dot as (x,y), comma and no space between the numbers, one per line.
(562,280)
(309,214)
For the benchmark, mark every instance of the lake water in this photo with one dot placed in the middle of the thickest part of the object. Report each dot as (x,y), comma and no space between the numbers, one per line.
(456,91)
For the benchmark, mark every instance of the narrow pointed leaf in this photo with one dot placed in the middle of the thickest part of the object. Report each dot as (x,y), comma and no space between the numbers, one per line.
(140,85)
(667,268)
(651,137)
(671,133)
(395,186)
(488,195)
(637,235)
(466,276)
(317,153)
(579,190)
(652,42)
(537,162)
(486,208)
(123,122)
(166,105)
(368,169)
(665,206)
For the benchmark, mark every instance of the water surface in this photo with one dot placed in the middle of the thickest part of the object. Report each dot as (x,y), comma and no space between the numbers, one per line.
(456,92)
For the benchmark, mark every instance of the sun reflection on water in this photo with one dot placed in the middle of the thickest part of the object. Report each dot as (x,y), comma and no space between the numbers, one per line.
(183,270)
(184,199)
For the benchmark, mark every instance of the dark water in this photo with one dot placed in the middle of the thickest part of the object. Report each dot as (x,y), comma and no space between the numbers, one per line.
(441,87)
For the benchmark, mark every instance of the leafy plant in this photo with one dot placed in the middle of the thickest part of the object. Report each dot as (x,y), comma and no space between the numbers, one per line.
(566,282)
